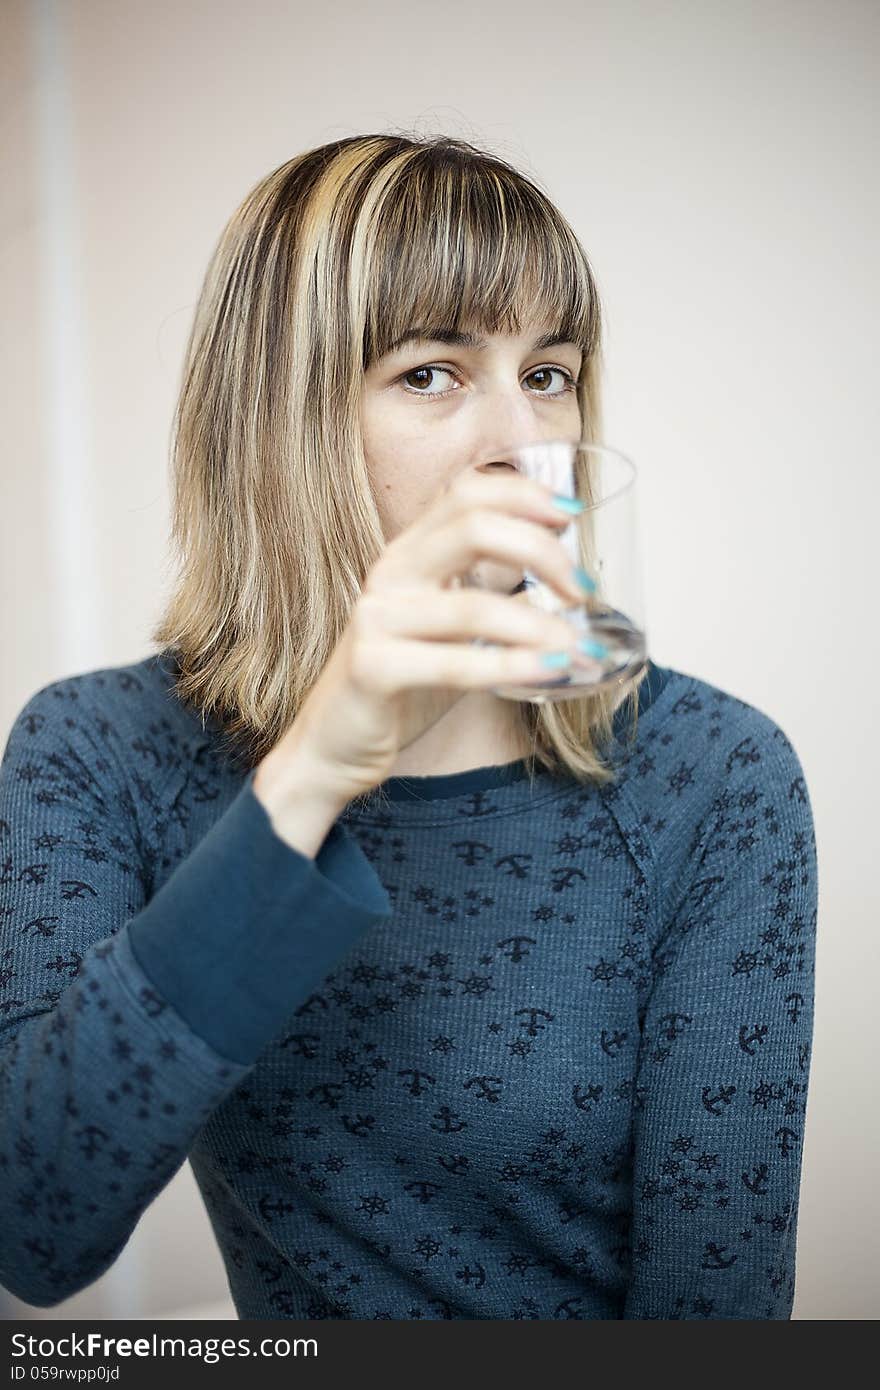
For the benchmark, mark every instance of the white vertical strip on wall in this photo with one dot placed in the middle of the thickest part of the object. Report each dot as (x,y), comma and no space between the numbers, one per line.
(71,517)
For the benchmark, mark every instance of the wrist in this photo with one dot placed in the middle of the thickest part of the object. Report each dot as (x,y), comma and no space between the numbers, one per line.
(299,801)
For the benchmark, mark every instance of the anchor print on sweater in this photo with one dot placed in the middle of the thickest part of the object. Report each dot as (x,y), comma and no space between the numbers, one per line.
(556,1068)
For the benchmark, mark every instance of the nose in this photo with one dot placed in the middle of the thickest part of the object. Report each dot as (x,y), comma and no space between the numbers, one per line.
(508,422)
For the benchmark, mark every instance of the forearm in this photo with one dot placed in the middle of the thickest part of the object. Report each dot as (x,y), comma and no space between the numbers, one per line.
(106,1090)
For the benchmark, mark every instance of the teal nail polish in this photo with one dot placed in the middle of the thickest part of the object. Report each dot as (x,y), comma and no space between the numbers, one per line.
(555,659)
(592,647)
(584,580)
(568,504)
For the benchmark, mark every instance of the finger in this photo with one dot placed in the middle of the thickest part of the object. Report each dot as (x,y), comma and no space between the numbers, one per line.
(443,551)
(454,614)
(505,491)
(407,664)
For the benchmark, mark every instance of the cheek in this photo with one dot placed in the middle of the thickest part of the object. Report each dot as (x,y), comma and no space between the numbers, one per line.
(402,495)
(396,485)
(406,471)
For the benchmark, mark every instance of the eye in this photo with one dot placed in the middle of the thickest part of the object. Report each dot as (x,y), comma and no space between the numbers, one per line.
(569,382)
(426,375)
(423,372)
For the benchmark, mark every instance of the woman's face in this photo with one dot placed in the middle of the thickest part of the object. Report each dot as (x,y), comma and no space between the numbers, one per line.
(433,408)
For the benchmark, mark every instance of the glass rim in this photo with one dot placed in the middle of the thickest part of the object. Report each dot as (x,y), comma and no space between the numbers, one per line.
(587,446)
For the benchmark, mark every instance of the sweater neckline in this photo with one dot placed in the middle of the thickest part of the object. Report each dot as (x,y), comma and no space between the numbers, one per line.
(441,786)
(411,792)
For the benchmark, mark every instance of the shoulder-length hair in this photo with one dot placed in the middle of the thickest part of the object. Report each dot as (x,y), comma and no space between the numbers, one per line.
(329,260)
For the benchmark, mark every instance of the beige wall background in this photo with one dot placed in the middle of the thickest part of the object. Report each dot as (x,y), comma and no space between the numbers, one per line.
(718,161)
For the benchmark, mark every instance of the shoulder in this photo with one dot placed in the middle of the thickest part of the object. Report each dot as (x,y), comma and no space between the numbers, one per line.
(702,736)
(119,725)
(717,780)
(106,699)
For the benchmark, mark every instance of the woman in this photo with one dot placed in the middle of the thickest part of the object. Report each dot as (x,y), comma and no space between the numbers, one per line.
(460,1008)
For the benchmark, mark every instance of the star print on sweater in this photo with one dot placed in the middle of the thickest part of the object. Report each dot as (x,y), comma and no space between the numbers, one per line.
(506,1048)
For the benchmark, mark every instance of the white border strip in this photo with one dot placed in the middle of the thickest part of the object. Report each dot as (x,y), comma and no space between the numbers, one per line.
(71,518)
(70,494)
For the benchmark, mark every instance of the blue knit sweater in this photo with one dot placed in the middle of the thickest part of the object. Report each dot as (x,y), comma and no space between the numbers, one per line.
(504,1049)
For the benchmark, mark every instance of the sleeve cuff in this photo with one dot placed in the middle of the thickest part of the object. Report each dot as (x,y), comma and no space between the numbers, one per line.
(247,926)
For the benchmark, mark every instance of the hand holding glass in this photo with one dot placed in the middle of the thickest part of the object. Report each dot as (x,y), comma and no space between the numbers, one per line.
(602,540)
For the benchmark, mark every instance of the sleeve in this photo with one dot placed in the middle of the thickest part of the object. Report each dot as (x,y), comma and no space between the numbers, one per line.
(126,1020)
(724,1060)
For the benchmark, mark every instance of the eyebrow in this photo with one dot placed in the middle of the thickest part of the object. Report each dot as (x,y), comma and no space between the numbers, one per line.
(469,340)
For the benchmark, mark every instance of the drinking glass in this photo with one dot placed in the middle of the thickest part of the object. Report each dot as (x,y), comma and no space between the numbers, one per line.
(603,539)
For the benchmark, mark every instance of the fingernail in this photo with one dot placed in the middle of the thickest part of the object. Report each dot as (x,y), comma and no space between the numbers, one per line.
(584,580)
(592,647)
(568,504)
(555,658)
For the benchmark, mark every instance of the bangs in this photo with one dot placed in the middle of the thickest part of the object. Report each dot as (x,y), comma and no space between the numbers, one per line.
(461,247)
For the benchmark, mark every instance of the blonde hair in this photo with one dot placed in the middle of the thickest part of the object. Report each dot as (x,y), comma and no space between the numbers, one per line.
(328,260)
